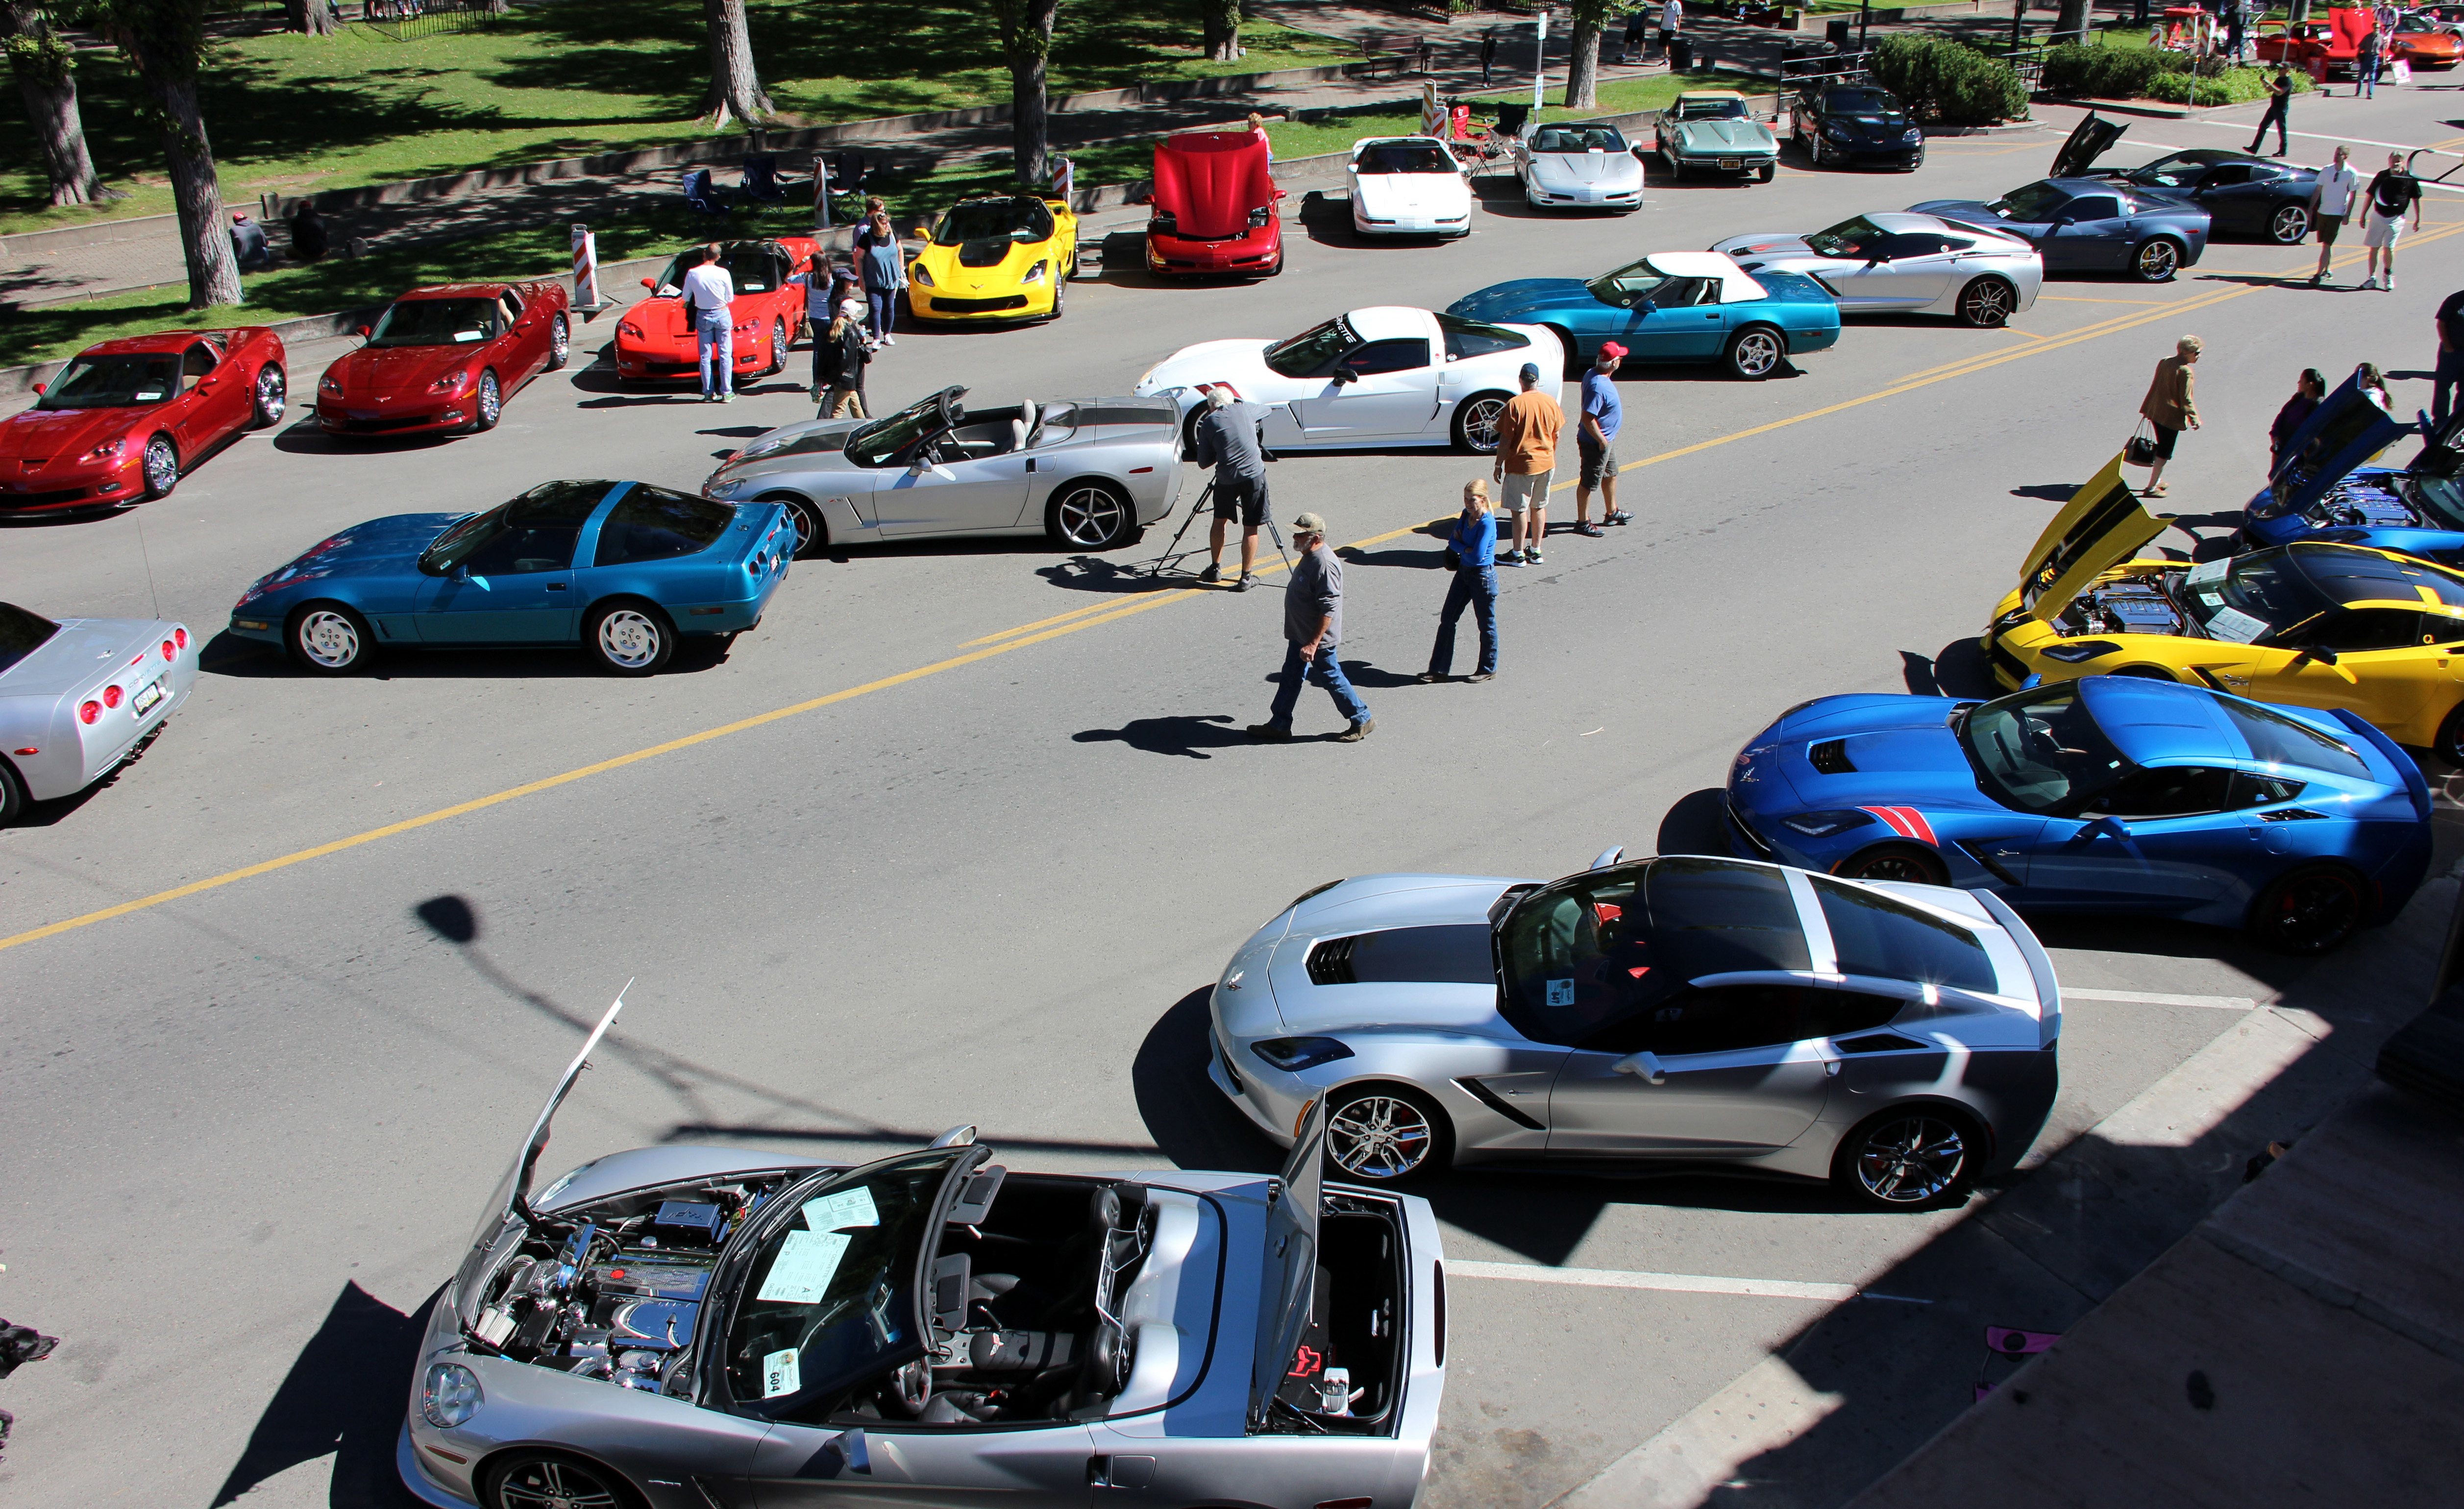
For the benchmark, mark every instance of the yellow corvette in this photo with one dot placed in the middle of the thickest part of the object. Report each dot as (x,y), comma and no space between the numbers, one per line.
(995,259)
(2312,624)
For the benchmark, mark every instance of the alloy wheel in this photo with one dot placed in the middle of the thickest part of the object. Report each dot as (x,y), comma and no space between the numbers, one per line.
(1755,354)
(2156,261)
(329,638)
(560,343)
(2289,225)
(1911,1160)
(550,1484)
(273,393)
(1092,516)
(1480,424)
(1986,303)
(629,639)
(161,465)
(2312,913)
(1379,1137)
(1896,865)
(491,401)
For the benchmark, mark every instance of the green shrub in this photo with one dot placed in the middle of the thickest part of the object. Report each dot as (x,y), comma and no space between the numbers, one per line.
(2138,72)
(2171,87)
(2209,92)
(1940,79)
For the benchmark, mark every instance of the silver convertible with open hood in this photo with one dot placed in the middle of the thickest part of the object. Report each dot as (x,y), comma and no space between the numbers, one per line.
(683,1328)
(1705,1015)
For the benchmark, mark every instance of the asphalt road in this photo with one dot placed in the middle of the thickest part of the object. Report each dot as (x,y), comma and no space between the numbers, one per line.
(903,859)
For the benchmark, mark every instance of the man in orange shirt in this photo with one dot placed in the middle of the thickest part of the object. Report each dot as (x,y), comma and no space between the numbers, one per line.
(1527,454)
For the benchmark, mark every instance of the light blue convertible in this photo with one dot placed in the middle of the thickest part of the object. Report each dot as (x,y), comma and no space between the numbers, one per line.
(1672,306)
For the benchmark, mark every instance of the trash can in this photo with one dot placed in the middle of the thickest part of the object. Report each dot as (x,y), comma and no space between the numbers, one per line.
(1836,32)
(1681,54)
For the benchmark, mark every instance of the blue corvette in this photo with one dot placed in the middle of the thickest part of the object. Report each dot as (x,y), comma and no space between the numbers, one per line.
(620,568)
(1671,306)
(2110,794)
(2091,225)
(2325,489)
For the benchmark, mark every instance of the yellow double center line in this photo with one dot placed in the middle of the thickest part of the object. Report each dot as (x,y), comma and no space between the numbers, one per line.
(1094,614)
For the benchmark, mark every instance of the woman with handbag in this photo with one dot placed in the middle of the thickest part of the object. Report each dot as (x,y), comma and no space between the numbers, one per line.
(1472,554)
(2169,409)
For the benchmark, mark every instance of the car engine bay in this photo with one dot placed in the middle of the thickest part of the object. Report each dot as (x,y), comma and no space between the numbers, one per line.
(2137,605)
(2380,501)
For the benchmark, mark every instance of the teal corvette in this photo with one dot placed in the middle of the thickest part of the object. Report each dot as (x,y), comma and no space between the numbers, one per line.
(1672,306)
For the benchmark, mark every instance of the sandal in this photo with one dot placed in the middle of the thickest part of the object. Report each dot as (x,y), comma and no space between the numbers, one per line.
(2156,492)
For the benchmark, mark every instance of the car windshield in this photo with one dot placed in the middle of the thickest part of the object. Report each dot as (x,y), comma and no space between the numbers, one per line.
(2260,596)
(542,525)
(1863,102)
(114,383)
(832,1294)
(885,441)
(1600,948)
(1856,237)
(2280,740)
(750,266)
(2034,202)
(1019,218)
(1311,352)
(2180,169)
(1629,285)
(437,322)
(1578,139)
(1404,157)
(21,633)
(1709,109)
(2041,751)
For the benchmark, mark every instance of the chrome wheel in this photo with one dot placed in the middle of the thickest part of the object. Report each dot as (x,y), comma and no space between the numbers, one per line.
(550,1483)
(2289,225)
(273,393)
(560,343)
(329,639)
(2156,261)
(777,346)
(162,467)
(1379,1137)
(630,640)
(1476,423)
(1754,354)
(1986,303)
(491,403)
(1909,1160)
(1091,516)
(803,514)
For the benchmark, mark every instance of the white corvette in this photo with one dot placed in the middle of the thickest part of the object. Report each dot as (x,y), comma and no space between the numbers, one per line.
(1408,185)
(1387,375)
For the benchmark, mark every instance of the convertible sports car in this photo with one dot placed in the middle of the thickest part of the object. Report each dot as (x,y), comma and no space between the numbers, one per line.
(1851,124)
(694,1327)
(446,359)
(1580,164)
(80,696)
(996,258)
(1408,185)
(2089,224)
(125,419)
(1388,376)
(620,568)
(1671,306)
(2311,624)
(2324,489)
(1712,1014)
(1089,472)
(1214,208)
(2427,42)
(1710,130)
(2244,194)
(1904,264)
(654,340)
(2109,794)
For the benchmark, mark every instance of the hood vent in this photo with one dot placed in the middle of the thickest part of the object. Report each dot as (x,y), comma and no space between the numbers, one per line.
(1830,758)
(1330,963)
(1442,954)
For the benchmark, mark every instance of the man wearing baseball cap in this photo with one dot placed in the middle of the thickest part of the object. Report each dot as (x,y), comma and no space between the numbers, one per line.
(1527,457)
(1597,442)
(1312,630)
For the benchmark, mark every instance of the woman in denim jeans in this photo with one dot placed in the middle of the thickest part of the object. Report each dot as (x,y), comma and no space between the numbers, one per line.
(1474,543)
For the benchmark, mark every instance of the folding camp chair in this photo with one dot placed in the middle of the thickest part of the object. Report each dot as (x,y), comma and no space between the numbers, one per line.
(762,185)
(701,196)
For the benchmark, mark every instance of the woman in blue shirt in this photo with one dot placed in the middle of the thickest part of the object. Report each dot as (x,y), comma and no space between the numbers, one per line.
(1474,543)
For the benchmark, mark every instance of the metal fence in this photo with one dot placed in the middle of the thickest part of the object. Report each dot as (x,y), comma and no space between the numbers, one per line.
(409,20)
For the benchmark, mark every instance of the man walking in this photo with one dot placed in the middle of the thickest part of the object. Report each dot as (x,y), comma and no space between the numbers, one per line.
(709,305)
(1527,454)
(1672,20)
(1231,438)
(1313,630)
(2449,369)
(1487,54)
(1596,443)
(2365,66)
(2331,200)
(1637,33)
(2280,100)
(2393,193)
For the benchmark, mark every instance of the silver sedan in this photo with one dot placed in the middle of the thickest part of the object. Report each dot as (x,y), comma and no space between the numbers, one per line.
(1578,164)
(80,696)
(1902,263)
(1089,474)
(1707,1015)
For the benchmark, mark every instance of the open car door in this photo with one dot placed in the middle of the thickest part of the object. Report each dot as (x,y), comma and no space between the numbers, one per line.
(2088,142)
(1287,1277)
(2102,526)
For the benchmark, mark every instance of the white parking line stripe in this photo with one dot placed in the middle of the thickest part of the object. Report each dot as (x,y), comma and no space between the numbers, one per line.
(1675,1282)
(2073,992)
(2315,136)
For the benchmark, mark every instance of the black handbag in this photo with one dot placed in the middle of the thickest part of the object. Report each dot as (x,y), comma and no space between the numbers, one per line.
(1454,563)
(2141,449)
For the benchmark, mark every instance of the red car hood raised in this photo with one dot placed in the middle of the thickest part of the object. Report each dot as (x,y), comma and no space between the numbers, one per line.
(371,370)
(1209,180)
(61,434)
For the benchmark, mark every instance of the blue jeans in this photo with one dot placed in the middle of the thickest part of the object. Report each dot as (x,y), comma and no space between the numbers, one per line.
(716,334)
(1477,589)
(2450,372)
(1328,673)
(881,303)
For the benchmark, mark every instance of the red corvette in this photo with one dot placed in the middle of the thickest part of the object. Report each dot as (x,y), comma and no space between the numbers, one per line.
(1214,208)
(446,358)
(121,423)
(655,343)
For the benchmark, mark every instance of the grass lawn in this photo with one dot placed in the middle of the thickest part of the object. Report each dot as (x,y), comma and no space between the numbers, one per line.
(300,113)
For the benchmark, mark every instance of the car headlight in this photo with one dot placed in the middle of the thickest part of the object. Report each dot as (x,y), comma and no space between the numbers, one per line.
(625,327)
(1035,274)
(746,327)
(1913,134)
(917,274)
(1290,1053)
(1823,824)
(726,489)
(450,1394)
(449,383)
(2072,652)
(330,384)
(1262,216)
(1835,131)
(108,450)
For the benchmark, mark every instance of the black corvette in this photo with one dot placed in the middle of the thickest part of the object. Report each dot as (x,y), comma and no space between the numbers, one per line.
(2246,196)
(1851,123)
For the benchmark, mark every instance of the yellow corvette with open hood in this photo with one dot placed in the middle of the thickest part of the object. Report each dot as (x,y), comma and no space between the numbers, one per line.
(996,258)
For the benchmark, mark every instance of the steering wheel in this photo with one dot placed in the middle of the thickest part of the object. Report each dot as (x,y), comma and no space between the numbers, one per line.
(914,1382)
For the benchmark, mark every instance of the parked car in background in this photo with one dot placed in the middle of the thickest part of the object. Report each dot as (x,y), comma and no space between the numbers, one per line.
(1843,125)
(1214,208)
(2425,41)
(995,259)
(124,420)
(2260,198)
(2090,225)
(1671,306)
(1408,185)
(80,696)
(1904,264)
(1711,131)
(1578,164)
(446,358)
(655,339)
(2322,48)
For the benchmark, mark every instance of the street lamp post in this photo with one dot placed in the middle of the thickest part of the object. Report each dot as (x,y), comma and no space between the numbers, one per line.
(1539,58)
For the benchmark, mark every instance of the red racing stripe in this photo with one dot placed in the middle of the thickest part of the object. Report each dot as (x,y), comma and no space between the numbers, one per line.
(1891,817)
(1912,822)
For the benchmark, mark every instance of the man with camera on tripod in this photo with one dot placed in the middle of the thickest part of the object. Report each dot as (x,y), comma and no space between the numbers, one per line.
(1231,438)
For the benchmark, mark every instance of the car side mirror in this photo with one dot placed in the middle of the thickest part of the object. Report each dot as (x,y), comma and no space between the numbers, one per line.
(1644,1066)
(1648,306)
(2324,657)
(364,332)
(38,389)
(1343,375)
(2107,824)
(653,286)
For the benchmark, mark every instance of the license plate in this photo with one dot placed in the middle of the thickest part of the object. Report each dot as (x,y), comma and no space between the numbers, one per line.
(147,696)
(1730,163)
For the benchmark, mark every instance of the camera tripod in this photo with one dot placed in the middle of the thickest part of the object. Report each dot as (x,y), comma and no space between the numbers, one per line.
(1173,554)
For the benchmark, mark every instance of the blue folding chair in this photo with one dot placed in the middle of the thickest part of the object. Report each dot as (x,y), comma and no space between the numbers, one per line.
(701,197)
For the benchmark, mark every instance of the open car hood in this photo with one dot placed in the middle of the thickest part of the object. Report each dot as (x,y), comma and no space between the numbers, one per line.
(2353,429)
(2088,141)
(1288,1275)
(1210,181)
(2102,526)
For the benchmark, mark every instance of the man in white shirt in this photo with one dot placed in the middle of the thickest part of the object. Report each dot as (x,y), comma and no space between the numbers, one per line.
(1672,20)
(709,305)
(2331,200)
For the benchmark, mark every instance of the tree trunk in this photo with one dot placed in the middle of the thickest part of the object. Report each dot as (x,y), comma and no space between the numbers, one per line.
(1026,42)
(42,60)
(1583,68)
(313,18)
(735,86)
(2070,23)
(214,267)
(1222,22)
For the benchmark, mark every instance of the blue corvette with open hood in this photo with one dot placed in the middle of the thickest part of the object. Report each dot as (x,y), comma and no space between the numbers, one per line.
(2324,486)
(621,569)
(2109,794)
(1671,306)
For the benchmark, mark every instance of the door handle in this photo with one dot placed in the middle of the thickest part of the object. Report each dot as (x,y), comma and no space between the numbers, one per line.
(1644,1066)
(556,586)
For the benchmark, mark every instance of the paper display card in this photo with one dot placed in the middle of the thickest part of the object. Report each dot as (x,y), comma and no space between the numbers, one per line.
(2205,572)
(802,1270)
(847,1208)
(469,335)
(1561,992)
(2233,624)
(780,1374)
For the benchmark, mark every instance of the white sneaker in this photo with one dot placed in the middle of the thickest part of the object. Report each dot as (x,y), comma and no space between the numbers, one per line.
(890,341)
(2368,283)
(2391,283)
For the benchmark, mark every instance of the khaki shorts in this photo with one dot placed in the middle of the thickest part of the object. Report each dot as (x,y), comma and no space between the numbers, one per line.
(2383,231)
(1526,489)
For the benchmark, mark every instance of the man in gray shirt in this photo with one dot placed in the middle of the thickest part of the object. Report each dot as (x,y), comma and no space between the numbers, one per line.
(1312,630)
(1231,438)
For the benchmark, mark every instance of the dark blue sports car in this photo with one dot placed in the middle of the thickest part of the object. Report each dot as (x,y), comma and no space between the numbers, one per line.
(1671,306)
(2110,794)
(2324,489)
(2090,225)
(621,568)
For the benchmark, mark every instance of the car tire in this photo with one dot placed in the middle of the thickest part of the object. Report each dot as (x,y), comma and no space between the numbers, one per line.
(812,530)
(528,1478)
(1986,303)
(1895,862)
(161,464)
(1060,298)
(1767,172)
(1090,513)
(1908,1158)
(1812,148)
(2156,260)
(269,397)
(1189,432)
(777,346)
(559,343)
(2289,225)
(12,794)
(2449,744)
(488,404)
(1575,366)
(1385,1134)
(1754,353)
(327,638)
(1475,423)
(2310,909)
(628,637)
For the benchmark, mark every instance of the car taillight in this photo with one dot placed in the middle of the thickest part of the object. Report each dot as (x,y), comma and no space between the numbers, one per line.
(180,637)
(170,651)
(90,712)
(110,698)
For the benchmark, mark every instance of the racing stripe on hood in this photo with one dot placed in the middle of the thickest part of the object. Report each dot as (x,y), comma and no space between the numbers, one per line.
(1907,822)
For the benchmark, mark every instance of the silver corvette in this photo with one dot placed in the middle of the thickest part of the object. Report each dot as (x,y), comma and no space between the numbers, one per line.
(1089,474)
(684,1327)
(1904,263)
(1705,1014)
(1578,164)
(78,696)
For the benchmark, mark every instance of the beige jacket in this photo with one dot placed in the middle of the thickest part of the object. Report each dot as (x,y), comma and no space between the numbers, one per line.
(2169,402)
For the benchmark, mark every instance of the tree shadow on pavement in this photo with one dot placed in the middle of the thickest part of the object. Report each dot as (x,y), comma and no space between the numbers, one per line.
(1189,736)
(344,1398)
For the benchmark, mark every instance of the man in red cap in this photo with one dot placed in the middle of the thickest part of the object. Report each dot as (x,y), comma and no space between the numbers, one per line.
(1597,442)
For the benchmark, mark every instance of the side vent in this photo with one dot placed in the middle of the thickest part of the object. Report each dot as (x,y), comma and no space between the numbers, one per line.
(1496,1103)
(1830,758)
(1330,963)
(1879,1043)
(2292,815)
